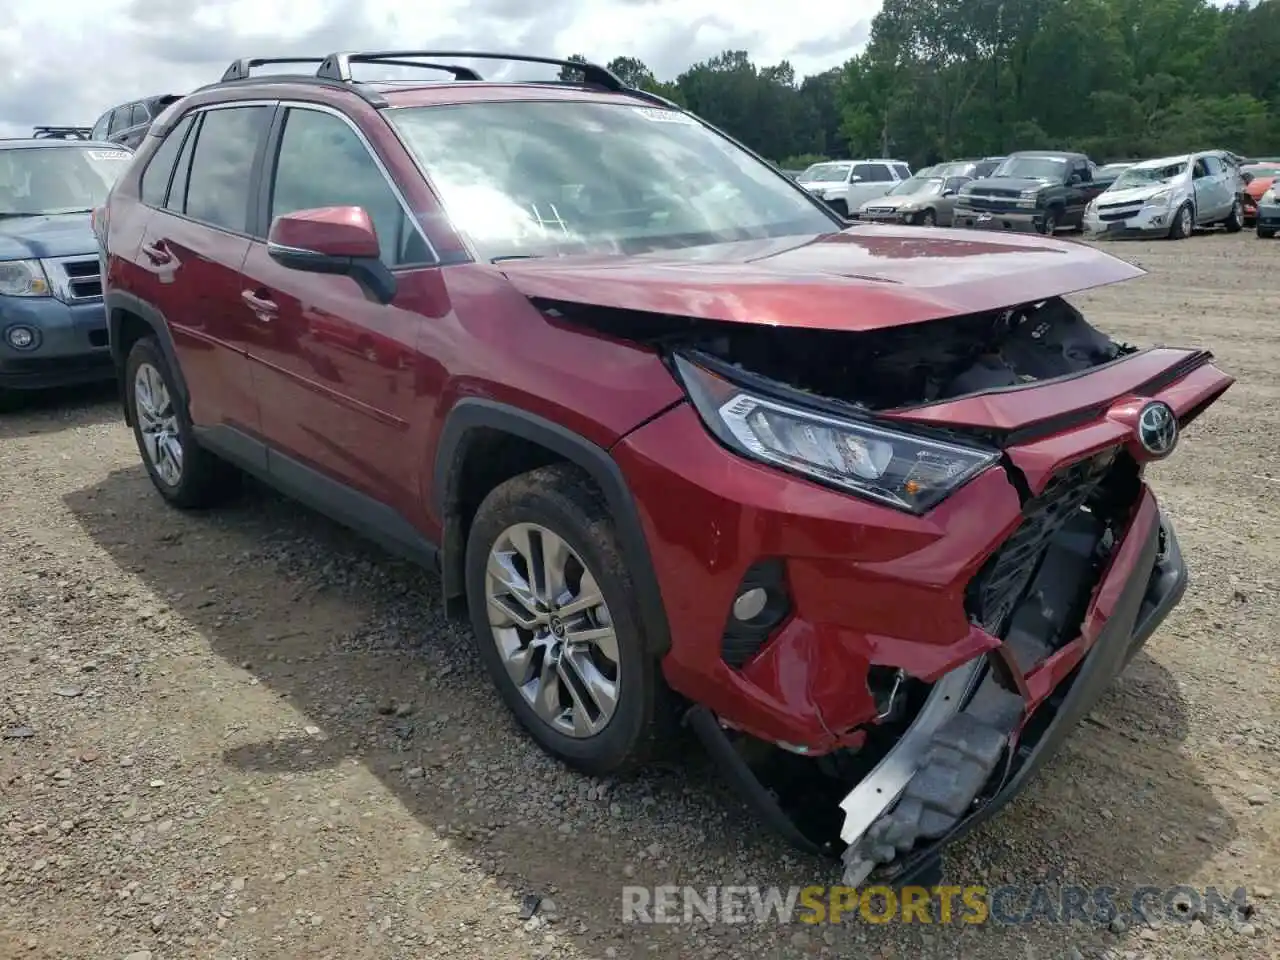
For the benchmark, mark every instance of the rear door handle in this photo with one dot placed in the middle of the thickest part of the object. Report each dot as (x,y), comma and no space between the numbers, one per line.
(264,307)
(156,253)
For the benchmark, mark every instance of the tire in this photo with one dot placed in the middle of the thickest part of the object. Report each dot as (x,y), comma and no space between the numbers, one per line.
(10,400)
(1265,233)
(201,479)
(559,501)
(1049,225)
(927,219)
(1235,222)
(1184,222)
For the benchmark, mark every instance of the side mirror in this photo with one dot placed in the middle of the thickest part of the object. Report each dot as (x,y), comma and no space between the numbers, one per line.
(334,240)
(949,192)
(855,179)
(1075,180)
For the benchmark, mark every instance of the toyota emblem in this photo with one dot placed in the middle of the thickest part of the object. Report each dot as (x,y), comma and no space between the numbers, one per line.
(1157,429)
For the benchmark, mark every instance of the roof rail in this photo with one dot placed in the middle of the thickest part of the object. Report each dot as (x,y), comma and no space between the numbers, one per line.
(239,69)
(337,66)
(61,133)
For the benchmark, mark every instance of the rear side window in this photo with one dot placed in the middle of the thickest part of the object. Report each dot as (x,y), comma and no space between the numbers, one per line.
(222,166)
(155,178)
(347,176)
(902,171)
(138,115)
(872,172)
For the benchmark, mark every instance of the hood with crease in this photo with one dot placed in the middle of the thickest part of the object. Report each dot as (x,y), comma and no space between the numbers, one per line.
(1134,194)
(863,278)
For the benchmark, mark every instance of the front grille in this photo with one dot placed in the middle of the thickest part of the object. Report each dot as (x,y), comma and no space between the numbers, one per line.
(1111,215)
(76,278)
(995,592)
(994,204)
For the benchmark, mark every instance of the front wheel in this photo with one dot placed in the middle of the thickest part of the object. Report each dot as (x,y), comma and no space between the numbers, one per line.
(1049,224)
(1235,222)
(927,219)
(1183,223)
(184,473)
(557,622)
(1266,233)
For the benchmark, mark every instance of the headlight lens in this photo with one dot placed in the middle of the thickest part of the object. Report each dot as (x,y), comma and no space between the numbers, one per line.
(1030,193)
(902,470)
(1160,199)
(23,278)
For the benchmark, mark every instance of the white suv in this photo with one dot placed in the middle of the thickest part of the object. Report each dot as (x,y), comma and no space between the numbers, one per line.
(846,184)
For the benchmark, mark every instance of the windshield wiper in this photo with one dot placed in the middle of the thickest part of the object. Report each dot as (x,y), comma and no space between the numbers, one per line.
(13,214)
(516,256)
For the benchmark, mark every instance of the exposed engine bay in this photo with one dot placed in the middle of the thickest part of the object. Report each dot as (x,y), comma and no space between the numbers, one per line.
(895,367)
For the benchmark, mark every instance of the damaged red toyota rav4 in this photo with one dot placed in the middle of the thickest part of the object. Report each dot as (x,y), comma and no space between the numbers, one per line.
(863,506)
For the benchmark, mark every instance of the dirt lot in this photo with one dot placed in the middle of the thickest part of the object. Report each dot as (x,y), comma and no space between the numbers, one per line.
(248,735)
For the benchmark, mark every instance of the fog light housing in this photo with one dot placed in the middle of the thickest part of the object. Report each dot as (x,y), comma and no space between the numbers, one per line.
(22,338)
(759,606)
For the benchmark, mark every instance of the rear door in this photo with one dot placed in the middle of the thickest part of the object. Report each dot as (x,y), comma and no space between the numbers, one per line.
(194,247)
(337,374)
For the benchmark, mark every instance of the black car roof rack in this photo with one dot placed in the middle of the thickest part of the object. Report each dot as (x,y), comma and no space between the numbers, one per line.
(241,69)
(61,133)
(337,66)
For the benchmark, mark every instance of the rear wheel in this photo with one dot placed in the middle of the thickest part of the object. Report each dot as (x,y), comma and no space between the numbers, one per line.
(557,623)
(1266,233)
(184,473)
(1183,223)
(1235,222)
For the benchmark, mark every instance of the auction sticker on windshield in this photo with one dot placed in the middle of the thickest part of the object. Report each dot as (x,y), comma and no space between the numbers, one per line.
(110,154)
(664,116)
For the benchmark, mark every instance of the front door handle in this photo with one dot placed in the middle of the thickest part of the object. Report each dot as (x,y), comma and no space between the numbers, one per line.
(264,307)
(156,253)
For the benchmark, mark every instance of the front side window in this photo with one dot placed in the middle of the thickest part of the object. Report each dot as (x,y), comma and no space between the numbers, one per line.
(44,181)
(532,178)
(323,163)
(872,172)
(222,166)
(155,179)
(1214,166)
(1033,168)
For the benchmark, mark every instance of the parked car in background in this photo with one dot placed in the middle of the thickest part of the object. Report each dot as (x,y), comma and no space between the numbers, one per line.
(900,448)
(1169,196)
(1038,190)
(1258,178)
(53,330)
(1108,172)
(127,124)
(846,184)
(1267,217)
(971,169)
(926,201)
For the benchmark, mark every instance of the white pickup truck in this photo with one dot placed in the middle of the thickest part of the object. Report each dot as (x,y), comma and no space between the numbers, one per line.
(846,184)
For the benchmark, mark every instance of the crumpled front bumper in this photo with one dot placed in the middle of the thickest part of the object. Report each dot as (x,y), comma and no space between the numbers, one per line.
(1145,221)
(980,749)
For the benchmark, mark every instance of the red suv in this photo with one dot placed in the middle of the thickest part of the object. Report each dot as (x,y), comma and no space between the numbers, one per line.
(864,507)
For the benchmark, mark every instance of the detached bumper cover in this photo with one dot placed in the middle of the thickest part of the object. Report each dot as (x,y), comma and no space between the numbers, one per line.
(969,759)
(1140,221)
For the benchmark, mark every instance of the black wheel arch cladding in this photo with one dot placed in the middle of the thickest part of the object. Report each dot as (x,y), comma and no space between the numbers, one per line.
(121,308)
(473,416)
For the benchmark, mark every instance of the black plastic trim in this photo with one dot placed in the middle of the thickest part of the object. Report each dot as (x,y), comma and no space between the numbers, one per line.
(118,302)
(372,519)
(476,413)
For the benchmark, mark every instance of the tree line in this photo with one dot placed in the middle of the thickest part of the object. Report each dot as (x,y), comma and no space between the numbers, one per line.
(1116,79)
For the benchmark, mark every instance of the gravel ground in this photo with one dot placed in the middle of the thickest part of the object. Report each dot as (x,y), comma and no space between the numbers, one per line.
(249,735)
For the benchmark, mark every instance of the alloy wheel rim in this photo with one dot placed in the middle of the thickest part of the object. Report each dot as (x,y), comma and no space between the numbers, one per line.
(158,423)
(1186,220)
(554,634)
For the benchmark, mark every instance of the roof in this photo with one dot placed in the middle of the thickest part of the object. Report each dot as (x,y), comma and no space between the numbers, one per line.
(1051,154)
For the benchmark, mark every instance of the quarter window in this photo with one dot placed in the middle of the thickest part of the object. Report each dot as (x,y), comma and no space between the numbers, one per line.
(155,179)
(138,115)
(119,120)
(222,166)
(323,163)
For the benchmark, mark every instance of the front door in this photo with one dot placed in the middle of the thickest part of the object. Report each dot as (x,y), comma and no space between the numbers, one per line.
(335,371)
(194,247)
(1208,195)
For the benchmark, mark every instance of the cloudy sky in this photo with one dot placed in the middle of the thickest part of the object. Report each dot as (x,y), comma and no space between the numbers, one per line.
(66,61)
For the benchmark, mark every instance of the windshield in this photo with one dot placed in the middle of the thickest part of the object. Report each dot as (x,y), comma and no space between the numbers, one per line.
(957,168)
(827,172)
(37,181)
(1144,176)
(1032,168)
(524,178)
(917,185)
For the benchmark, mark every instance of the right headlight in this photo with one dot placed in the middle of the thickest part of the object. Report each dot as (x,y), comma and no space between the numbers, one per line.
(23,278)
(1160,199)
(906,471)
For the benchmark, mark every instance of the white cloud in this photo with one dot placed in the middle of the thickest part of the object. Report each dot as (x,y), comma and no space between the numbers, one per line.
(66,61)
